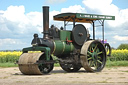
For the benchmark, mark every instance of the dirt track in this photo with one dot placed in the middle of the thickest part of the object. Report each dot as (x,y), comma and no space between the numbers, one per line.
(109,76)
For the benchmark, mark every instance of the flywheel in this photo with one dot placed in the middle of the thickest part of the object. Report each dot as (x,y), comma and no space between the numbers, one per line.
(28,64)
(79,34)
(93,56)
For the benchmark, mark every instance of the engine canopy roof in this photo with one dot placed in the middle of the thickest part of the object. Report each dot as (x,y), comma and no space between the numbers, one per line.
(81,17)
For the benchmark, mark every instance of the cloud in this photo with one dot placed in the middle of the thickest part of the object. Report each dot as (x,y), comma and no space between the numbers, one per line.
(54,1)
(10,41)
(17,28)
(12,44)
(107,8)
(13,12)
(99,6)
(74,9)
(120,38)
(14,21)
(71,9)
(117,27)
(52,13)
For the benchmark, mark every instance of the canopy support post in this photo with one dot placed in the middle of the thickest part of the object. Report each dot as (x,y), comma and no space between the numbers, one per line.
(64,25)
(93,30)
(73,22)
(103,31)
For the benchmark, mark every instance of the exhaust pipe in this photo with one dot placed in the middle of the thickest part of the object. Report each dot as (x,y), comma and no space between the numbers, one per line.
(46,22)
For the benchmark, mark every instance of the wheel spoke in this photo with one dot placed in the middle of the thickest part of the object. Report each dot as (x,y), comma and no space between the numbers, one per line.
(95,48)
(96,65)
(98,57)
(99,52)
(90,49)
(99,61)
(90,63)
(90,58)
(89,53)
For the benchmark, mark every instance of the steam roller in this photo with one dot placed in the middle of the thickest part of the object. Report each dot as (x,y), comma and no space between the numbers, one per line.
(72,49)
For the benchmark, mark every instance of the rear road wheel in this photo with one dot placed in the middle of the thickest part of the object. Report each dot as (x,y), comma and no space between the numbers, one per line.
(93,56)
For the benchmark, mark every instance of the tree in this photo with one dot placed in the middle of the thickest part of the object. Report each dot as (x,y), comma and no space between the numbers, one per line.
(123,46)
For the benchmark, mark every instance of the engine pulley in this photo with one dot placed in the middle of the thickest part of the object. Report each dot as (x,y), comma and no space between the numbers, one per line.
(79,34)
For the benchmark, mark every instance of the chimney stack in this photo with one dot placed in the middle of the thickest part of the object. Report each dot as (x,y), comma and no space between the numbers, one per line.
(46,22)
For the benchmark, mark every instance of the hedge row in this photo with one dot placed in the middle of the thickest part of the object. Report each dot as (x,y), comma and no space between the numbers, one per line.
(9,56)
(117,55)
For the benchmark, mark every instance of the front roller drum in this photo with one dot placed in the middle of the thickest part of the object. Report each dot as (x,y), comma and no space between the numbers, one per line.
(28,64)
(93,56)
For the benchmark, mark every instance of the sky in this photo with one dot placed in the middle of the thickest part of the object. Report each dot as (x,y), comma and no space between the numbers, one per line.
(20,19)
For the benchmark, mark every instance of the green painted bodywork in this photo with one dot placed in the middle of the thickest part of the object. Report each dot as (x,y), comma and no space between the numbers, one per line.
(81,17)
(61,47)
(65,34)
(46,50)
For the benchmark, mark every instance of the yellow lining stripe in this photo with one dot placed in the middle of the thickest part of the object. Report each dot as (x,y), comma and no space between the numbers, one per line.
(54,47)
(71,47)
(63,47)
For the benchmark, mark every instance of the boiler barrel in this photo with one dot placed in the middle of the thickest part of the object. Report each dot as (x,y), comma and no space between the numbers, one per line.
(61,47)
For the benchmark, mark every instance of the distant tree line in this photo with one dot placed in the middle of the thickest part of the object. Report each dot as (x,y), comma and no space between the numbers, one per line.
(123,46)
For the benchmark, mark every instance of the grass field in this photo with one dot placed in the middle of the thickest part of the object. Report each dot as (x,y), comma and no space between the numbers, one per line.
(8,64)
(108,64)
(118,58)
(116,63)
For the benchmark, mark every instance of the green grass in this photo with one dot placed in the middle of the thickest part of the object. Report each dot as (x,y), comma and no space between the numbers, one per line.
(57,65)
(8,65)
(108,64)
(116,63)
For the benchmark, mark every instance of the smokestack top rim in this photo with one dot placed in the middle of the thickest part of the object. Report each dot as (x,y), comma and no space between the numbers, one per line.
(45,6)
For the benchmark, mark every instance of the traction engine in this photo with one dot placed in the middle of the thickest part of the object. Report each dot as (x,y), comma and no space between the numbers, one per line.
(73,49)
